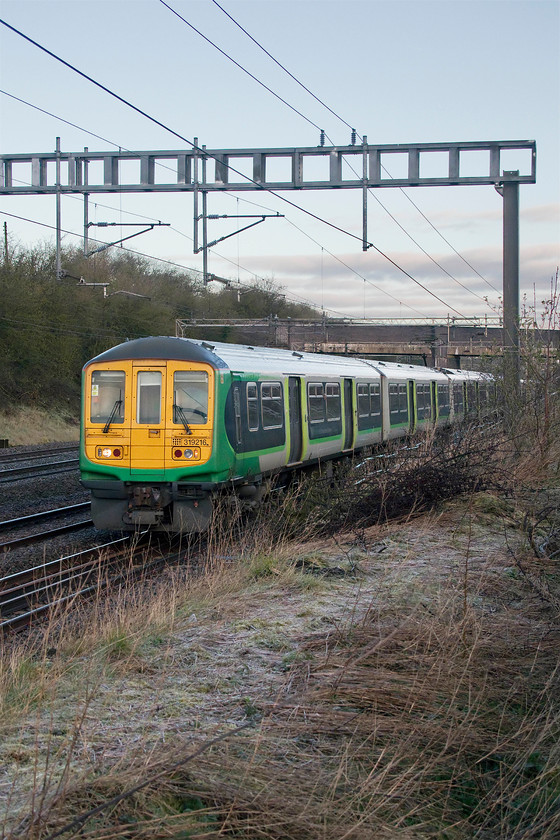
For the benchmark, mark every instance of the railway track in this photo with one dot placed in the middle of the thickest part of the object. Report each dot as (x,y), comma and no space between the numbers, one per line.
(35,592)
(37,470)
(7,456)
(41,536)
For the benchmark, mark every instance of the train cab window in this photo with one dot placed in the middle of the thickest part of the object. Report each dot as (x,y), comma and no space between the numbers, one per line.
(332,399)
(107,396)
(272,407)
(252,406)
(190,396)
(148,400)
(444,406)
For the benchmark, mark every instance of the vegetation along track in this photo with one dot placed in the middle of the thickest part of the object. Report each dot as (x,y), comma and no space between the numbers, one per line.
(32,593)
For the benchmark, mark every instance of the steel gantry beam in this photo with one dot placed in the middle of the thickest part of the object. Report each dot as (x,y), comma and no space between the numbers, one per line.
(204,171)
(341,167)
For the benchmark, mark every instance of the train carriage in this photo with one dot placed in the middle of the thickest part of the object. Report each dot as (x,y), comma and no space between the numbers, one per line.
(167,423)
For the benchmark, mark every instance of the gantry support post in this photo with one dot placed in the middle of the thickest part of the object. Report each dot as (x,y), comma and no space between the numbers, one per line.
(58,213)
(510,195)
(86,205)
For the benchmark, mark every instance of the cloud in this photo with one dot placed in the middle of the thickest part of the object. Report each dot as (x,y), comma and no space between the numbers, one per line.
(368,285)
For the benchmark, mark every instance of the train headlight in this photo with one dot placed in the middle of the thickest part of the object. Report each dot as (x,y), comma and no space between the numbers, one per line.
(178,453)
(106,453)
(189,454)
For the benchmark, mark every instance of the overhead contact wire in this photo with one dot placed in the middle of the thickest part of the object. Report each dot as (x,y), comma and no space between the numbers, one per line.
(342,120)
(240,66)
(202,151)
(181,233)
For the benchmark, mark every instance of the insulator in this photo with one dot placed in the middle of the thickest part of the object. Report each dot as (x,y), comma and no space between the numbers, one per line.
(353,138)
(322,138)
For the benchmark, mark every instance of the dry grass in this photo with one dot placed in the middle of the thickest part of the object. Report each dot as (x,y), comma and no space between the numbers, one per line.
(28,426)
(403,684)
(392,681)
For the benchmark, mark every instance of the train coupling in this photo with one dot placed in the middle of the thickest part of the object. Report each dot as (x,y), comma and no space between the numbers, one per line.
(146,505)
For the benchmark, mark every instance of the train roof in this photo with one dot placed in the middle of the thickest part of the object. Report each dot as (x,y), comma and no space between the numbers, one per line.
(245,358)
(468,375)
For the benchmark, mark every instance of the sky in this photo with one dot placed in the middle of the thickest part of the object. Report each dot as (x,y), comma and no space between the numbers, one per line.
(403,71)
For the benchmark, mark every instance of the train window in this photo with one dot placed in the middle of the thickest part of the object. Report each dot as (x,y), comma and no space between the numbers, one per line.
(423,400)
(403,404)
(363,401)
(107,396)
(375,404)
(394,402)
(272,407)
(237,413)
(458,398)
(316,400)
(471,397)
(252,406)
(398,404)
(148,401)
(190,396)
(443,400)
(369,405)
(332,397)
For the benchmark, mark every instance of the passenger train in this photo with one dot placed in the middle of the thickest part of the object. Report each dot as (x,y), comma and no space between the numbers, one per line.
(170,423)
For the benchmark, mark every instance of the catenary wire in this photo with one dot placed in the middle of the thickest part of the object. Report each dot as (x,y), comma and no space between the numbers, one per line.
(117,145)
(357,273)
(290,295)
(285,69)
(217,253)
(342,120)
(202,151)
(240,66)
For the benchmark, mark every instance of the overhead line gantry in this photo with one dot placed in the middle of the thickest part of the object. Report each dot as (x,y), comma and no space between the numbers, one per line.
(283,169)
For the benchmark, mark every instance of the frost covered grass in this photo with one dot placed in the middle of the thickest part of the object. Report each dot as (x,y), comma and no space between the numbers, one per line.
(399,682)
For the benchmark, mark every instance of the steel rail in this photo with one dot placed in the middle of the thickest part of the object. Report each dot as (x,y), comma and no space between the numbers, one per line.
(20,521)
(22,620)
(37,470)
(30,539)
(6,455)
(25,575)
(20,587)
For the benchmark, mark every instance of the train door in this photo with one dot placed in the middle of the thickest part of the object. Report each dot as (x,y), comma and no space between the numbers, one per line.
(147,435)
(348,413)
(294,413)
(412,406)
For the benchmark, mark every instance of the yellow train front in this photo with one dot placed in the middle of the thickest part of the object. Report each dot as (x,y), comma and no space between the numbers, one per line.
(147,450)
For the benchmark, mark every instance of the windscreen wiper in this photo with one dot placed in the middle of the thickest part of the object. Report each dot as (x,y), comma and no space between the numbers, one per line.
(116,408)
(181,415)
